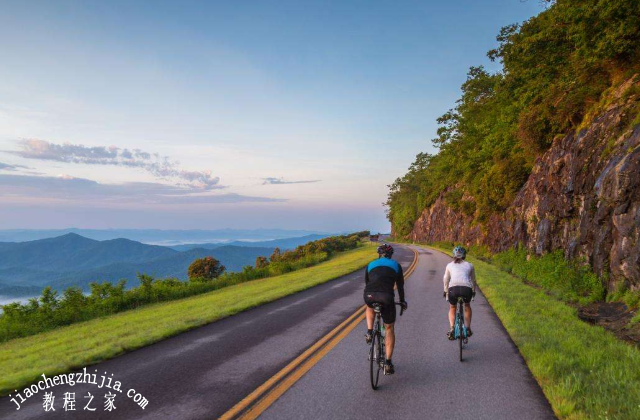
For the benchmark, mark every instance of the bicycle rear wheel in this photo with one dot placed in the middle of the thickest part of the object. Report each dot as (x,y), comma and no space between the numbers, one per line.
(460,322)
(374,359)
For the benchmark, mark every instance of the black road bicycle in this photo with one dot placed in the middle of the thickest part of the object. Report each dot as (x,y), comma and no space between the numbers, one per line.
(377,353)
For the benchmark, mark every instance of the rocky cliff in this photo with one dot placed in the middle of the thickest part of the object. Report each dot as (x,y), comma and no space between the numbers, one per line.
(583,196)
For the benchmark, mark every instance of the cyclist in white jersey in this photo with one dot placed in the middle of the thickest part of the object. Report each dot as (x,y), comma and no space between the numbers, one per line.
(459,281)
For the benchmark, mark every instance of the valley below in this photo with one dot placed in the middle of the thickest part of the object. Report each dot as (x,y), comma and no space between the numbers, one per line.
(72,260)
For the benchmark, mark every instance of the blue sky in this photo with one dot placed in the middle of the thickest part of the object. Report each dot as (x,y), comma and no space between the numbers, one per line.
(210,114)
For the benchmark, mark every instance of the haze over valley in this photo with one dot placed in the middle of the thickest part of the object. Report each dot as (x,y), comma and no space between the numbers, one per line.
(75,260)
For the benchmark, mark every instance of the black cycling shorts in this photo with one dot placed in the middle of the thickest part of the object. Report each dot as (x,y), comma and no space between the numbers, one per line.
(386,300)
(460,291)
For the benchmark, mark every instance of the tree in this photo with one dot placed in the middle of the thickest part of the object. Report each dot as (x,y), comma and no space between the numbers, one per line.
(276,255)
(262,262)
(207,268)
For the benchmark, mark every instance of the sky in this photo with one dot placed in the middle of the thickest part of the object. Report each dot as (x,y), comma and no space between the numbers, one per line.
(226,114)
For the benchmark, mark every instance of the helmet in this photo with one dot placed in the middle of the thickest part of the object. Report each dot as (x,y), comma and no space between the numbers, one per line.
(459,252)
(386,250)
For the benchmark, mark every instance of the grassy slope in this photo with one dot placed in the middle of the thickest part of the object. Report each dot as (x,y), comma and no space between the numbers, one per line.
(584,371)
(78,345)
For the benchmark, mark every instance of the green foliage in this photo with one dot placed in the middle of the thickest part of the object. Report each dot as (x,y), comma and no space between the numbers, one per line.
(629,297)
(566,280)
(51,311)
(205,269)
(584,371)
(261,262)
(556,67)
(25,360)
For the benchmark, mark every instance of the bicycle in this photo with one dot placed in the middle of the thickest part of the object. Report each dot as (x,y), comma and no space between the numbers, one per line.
(459,328)
(377,352)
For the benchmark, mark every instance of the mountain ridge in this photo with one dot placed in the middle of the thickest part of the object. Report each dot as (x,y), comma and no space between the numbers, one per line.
(73,260)
(285,243)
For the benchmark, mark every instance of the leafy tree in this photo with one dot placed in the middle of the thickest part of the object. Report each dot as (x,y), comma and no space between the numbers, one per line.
(261,262)
(207,268)
(276,255)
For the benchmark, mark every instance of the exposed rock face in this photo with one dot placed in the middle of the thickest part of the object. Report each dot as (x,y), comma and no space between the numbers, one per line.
(583,196)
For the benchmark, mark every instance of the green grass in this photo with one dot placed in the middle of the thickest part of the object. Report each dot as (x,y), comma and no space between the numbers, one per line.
(64,349)
(584,371)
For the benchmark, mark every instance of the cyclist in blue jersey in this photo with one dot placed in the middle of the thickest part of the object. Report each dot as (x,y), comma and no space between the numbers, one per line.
(380,278)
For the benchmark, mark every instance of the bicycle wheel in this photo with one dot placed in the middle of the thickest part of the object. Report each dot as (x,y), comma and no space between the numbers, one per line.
(460,342)
(374,362)
(460,328)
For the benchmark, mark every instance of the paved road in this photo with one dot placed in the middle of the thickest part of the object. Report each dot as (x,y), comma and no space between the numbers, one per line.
(430,383)
(202,373)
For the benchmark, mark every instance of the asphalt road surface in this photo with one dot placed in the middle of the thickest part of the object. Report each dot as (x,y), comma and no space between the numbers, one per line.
(202,373)
(492,382)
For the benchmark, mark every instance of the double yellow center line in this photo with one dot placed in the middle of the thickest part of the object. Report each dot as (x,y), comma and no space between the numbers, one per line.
(266,394)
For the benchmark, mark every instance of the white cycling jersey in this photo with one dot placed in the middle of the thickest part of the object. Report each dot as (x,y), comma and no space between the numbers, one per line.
(459,274)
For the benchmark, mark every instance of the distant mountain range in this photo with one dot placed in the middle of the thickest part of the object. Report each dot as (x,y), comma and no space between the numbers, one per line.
(286,243)
(158,236)
(74,260)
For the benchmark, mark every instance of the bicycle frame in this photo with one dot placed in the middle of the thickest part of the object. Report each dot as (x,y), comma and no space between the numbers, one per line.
(460,329)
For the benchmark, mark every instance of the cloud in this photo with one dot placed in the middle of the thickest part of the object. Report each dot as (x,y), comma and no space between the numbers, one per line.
(8,167)
(280,181)
(20,188)
(159,166)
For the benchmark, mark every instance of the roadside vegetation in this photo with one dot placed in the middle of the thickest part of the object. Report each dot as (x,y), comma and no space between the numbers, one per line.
(52,310)
(584,371)
(556,70)
(567,280)
(75,346)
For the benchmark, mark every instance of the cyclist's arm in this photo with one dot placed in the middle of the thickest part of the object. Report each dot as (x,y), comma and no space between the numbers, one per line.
(446,279)
(400,283)
(473,277)
(366,275)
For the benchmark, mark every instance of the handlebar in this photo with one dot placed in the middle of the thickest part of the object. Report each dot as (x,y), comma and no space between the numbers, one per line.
(401,308)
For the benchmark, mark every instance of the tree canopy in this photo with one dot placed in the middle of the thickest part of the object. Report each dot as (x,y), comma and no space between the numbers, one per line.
(555,67)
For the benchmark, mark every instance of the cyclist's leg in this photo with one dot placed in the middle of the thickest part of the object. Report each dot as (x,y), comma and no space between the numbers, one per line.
(452,315)
(453,300)
(467,315)
(369,299)
(370,314)
(389,319)
(389,339)
(467,294)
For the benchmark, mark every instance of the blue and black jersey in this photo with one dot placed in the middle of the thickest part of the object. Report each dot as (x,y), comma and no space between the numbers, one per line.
(382,274)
